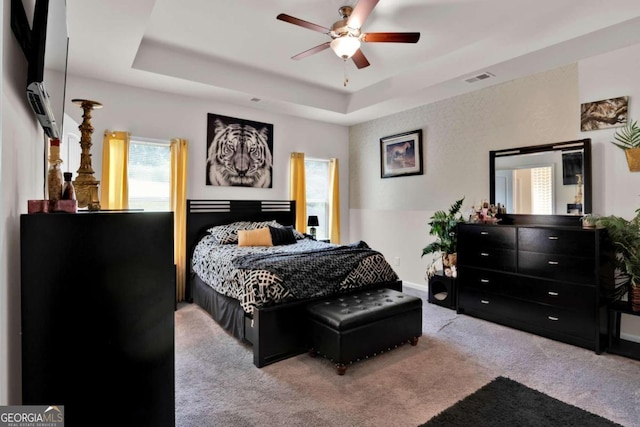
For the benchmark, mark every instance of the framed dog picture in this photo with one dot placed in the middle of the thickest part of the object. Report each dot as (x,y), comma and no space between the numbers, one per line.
(401,154)
(239,152)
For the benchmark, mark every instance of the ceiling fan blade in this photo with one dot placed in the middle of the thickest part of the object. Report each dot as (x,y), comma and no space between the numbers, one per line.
(360,13)
(359,59)
(311,51)
(390,37)
(295,21)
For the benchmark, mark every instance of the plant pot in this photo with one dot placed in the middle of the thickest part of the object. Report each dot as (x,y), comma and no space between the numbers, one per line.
(633,159)
(634,297)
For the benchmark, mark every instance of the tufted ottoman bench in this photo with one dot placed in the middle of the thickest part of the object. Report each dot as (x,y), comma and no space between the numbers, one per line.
(349,328)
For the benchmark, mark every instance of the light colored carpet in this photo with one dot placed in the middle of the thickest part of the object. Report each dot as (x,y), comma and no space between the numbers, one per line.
(218,385)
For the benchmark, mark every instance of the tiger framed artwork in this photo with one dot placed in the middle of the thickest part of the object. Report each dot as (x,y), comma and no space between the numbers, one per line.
(239,152)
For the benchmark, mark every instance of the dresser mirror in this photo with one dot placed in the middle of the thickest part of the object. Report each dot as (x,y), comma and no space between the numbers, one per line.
(550,179)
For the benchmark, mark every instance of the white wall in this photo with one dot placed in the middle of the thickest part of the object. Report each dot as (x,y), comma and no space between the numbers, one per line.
(152,114)
(616,190)
(22,171)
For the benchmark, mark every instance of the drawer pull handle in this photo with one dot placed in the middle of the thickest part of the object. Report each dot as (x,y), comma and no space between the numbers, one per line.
(484,254)
(484,280)
(553,237)
(553,294)
(484,233)
(484,301)
(553,263)
(555,319)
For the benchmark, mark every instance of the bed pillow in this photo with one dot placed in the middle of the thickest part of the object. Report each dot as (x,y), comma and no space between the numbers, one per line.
(282,236)
(298,235)
(259,237)
(228,233)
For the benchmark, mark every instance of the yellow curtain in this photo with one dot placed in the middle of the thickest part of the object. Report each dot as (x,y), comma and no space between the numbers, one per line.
(297,190)
(114,186)
(179,208)
(334,208)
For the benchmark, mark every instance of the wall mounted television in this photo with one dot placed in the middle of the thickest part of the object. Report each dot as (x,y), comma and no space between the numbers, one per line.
(44,41)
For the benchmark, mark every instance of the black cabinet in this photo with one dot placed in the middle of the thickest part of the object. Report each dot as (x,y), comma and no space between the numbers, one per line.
(618,345)
(545,280)
(442,290)
(98,298)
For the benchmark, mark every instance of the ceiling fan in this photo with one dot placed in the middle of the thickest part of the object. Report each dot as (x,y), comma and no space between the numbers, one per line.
(346,35)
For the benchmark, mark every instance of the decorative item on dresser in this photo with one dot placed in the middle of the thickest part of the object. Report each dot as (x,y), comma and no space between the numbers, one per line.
(98,300)
(86,185)
(550,277)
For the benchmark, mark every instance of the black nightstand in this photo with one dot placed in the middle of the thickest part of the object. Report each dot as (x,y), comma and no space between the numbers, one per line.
(616,344)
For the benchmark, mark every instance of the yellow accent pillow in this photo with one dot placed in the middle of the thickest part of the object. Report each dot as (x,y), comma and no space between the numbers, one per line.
(259,237)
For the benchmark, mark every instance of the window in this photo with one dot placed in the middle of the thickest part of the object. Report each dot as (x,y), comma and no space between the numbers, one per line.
(542,190)
(149,175)
(317,189)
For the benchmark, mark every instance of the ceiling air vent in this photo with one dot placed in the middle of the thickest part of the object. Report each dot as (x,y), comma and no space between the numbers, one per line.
(483,76)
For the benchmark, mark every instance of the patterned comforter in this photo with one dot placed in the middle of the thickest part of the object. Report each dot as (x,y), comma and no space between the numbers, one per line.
(259,276)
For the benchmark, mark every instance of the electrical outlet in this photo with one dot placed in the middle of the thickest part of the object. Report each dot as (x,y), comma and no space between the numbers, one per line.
(396,261)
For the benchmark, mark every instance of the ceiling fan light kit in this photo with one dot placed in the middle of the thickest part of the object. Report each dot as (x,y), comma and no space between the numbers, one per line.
(346,34)
(345,47)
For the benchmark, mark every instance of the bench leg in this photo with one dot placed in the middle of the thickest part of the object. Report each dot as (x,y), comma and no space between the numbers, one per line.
(414,341)
(341,369)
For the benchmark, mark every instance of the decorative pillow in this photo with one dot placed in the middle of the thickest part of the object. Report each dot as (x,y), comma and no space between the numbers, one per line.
(228,233)
(298,235)
(282,236)
(259,237)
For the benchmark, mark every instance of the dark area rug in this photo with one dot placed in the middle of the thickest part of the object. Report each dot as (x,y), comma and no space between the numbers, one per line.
(504,402)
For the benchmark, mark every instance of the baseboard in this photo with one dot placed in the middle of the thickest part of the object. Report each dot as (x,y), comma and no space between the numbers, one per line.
(629,337)
(420,287)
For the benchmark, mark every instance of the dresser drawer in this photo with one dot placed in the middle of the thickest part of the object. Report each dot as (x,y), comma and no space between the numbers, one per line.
(485,304)
(579,243)
(528,315)
(487,236)
(485,280)
(491,258)
(557,267)
(559,294)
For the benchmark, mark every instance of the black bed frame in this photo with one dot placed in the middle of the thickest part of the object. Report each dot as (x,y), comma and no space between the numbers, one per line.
(277,332)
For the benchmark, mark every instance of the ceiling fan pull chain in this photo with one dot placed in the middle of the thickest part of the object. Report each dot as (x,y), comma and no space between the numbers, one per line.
(346,77)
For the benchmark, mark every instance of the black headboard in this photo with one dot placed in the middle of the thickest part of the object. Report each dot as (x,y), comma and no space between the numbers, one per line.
(202,214)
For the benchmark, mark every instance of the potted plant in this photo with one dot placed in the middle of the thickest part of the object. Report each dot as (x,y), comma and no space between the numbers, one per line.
(628,139)
(625,236)
(444,227)
(589,220)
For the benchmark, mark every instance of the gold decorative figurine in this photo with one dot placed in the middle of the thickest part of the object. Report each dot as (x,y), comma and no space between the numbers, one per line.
(86,185)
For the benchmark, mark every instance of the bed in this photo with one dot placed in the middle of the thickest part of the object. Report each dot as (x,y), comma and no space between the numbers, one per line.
(253,292)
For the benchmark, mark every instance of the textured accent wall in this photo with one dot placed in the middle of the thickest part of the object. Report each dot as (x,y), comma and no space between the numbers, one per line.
(457,136)
(392,214)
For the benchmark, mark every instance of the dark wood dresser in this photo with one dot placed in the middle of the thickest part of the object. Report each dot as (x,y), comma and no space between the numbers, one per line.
(98,298)
(547,280)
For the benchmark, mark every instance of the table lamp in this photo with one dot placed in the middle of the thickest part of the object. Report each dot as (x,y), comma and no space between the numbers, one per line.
(313,223)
